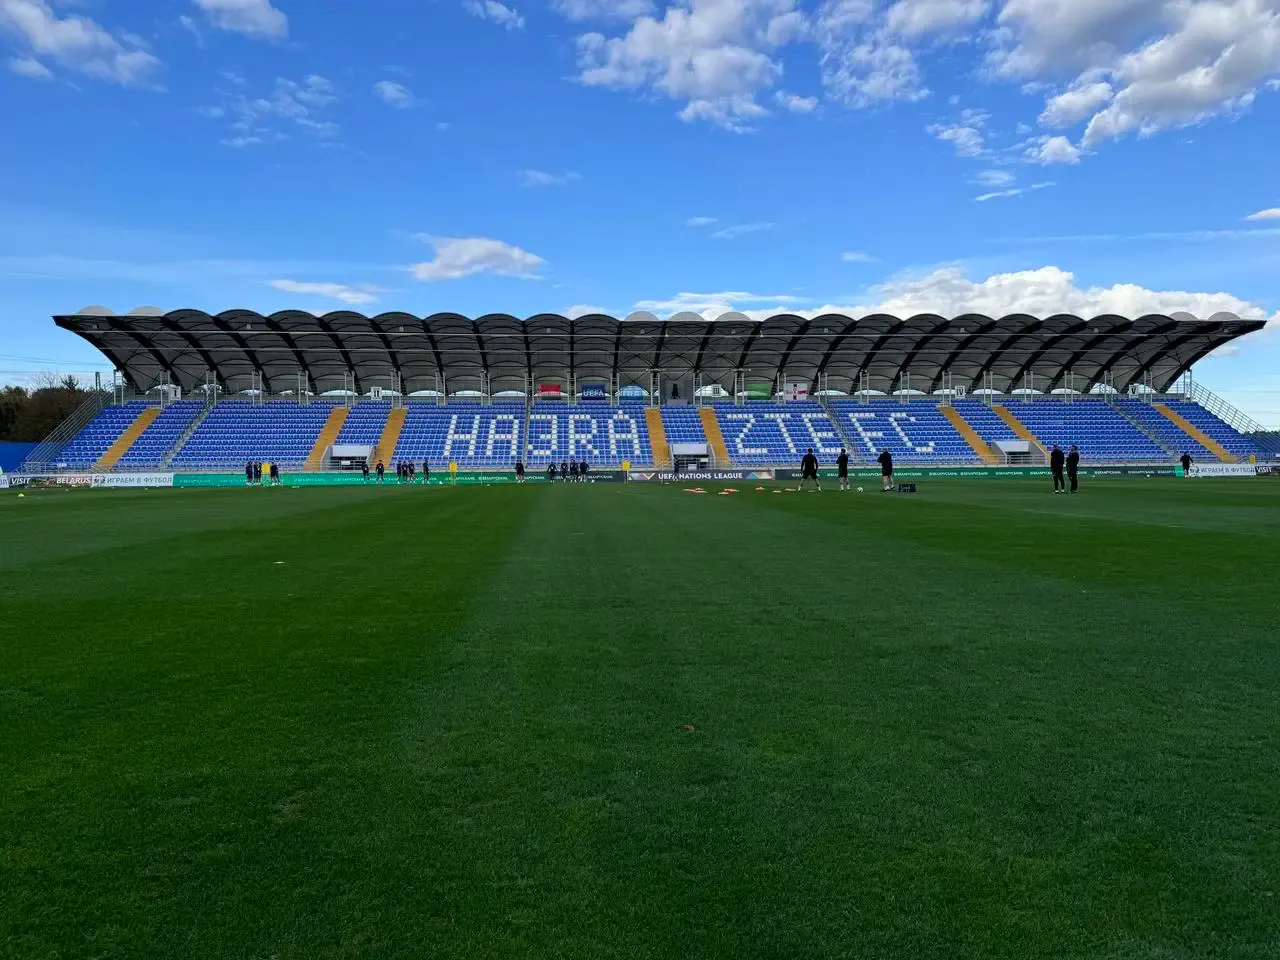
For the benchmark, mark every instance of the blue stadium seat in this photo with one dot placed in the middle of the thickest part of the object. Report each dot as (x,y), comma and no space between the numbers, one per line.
(683,424)
(762,433)
(88,446)
(1215,427)
(365,422)
(756,433)
(1103,434)
(1163,429)
(235,431)
(604,436)
(986,423)
(149,450)
(473,435)
(913,432)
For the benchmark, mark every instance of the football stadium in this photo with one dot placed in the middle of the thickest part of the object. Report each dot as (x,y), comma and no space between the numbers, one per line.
(297,665)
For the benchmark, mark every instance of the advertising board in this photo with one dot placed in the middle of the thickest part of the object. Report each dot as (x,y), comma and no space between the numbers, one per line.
(1223,470)
(699,476)
(132,480)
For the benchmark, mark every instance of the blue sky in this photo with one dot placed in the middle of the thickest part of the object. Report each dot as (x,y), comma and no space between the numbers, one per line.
(946,155)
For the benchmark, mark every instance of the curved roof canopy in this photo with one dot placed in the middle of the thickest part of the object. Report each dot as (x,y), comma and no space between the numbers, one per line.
(878,352)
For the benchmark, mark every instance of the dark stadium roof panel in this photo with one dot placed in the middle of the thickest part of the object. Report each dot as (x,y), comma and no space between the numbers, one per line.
(875,351)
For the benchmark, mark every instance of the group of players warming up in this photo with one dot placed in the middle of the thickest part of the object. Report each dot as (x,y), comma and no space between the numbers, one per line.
(809,470)
(569,471)
(1065,468)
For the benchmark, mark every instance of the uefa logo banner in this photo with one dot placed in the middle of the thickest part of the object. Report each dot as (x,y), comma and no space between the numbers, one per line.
(699,476)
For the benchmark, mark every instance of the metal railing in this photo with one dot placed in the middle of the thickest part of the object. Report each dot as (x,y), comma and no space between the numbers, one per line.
(41,459)
(191,428)
(1233,416)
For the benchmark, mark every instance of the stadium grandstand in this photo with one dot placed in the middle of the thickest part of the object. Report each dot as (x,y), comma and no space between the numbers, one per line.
(196,392)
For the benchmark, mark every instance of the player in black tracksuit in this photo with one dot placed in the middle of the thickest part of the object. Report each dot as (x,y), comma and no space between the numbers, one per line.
(842,468)
(886,470)
(1073,468)
(809,471)
(1057,462)
(1186,465)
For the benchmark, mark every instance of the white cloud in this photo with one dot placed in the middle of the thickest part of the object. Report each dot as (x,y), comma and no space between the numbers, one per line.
(1140,65)
(253,18)
(1048,150)
(862,69)
(857,256)
(742,229)
(239,143)
(603,9)
(1013,191)
(968,141)
(712,305)
(540,178)
(993,178)
(582,310)
(289,104)
(495,12)
(1041,292)
(77,43)
(949,292)
(919,17)
(394,94)
(1187,236)
(795,103)
(457,257)
(356,296)
(868,49)
(1271,214)
(965,135)
(701,221)
(715,56)
(1074,105)
(30,67)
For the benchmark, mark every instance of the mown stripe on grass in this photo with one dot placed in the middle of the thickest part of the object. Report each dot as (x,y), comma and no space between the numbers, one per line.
(198,744)
(884,751)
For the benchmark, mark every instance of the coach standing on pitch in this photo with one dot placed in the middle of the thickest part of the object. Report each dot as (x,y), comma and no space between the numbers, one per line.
(886,469)
(1057,461)
(1073,468)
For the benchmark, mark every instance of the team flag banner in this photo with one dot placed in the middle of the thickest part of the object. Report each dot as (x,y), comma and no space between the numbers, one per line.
(549,390)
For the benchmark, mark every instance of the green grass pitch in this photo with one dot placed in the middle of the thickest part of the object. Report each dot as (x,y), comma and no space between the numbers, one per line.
(629,722)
